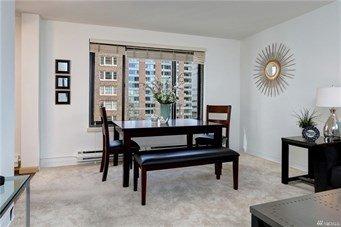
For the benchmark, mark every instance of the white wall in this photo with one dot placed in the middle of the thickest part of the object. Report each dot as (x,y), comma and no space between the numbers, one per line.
(314,38)
(63,128)
(30,120)
(7,114)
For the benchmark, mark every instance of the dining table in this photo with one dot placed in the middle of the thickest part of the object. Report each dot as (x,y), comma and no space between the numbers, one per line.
(147,128)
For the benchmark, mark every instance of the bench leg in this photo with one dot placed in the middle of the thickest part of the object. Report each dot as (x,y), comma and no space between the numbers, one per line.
(136,175)
(218,167)
(235,174)
(143,186)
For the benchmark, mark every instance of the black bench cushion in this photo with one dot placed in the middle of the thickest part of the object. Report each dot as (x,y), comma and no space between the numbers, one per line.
(182,155)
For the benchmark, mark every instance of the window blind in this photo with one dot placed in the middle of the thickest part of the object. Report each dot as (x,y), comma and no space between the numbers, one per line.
(107,49)
(197,57)
(166,54)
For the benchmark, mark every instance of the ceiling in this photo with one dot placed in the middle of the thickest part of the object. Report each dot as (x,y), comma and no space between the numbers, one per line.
(222,19)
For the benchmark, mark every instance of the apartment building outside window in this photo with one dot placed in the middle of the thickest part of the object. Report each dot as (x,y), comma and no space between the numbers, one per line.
(119,82)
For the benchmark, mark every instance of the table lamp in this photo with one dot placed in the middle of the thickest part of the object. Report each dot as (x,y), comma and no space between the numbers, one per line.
(330,97)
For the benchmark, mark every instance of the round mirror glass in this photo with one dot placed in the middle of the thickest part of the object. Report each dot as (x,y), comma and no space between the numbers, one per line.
(272,69)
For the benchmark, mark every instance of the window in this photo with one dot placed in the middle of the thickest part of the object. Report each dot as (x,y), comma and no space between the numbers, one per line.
(187,107)
(108,61)
(133,85)
(150,73)
(129,78)
(110,76)
(110,105)
(149,112)
(107,90)
(133,72)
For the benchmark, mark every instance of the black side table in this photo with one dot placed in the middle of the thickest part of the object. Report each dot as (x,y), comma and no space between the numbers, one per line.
(313,149)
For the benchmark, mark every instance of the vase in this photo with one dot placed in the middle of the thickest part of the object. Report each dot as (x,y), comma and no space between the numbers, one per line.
(165,112)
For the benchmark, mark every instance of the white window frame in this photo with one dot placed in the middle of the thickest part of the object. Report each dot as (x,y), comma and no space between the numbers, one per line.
(112,103)
(102,76)
(113,60)
(103,91)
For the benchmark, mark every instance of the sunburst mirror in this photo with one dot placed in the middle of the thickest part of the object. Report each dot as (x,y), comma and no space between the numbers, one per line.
(274,65)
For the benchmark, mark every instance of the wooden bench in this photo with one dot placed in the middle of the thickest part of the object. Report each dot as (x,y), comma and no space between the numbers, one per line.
(168,159)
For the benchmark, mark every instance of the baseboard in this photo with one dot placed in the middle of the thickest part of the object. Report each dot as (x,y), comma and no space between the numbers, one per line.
(28,170)
(277,160)
(58,161)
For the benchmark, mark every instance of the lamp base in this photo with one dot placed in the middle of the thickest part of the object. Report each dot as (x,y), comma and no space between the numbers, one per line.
(331,128)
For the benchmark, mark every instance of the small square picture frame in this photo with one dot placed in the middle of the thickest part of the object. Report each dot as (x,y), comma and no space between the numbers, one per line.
(63,82)
(62,66)
(63,97)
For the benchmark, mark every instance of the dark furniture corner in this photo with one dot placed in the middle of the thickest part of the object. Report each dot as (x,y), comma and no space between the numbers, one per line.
(318,209)
(320,161)
(161,159)
(208,139)
(11,191)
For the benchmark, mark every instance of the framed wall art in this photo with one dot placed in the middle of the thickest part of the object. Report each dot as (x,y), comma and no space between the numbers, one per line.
(63,82)
(63,97)
(62,66)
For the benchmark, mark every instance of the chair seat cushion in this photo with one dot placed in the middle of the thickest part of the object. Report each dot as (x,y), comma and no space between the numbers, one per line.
(119,143)
(335,178)
(182,155)
(205,139)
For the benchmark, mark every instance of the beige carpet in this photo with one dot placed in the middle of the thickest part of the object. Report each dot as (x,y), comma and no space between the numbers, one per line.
(75,196)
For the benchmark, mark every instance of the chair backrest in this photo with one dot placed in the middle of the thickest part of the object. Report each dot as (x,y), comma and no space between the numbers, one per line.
(105,127)
(215,109)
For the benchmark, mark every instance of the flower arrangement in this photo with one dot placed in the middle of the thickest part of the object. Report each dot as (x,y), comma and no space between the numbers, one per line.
(306,118)
(164,92)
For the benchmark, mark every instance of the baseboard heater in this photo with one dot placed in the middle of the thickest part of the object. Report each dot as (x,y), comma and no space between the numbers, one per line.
(96,155)
(89,156)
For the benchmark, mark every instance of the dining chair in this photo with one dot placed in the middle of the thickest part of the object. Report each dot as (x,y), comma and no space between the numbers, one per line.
(110,147)
(208,139)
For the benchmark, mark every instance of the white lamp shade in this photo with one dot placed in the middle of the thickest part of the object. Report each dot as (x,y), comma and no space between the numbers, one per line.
(328,97)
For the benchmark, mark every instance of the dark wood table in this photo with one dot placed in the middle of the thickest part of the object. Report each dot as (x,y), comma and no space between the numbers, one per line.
(313,149)
(319,209)
(146,128)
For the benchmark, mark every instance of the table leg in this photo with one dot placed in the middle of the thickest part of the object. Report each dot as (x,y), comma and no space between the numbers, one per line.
(256,222)
(311,162)
(28,210)
(320,170)
(285,162)
(126,159)
(116,134)
(190,140)
(218,138)
(116,137)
